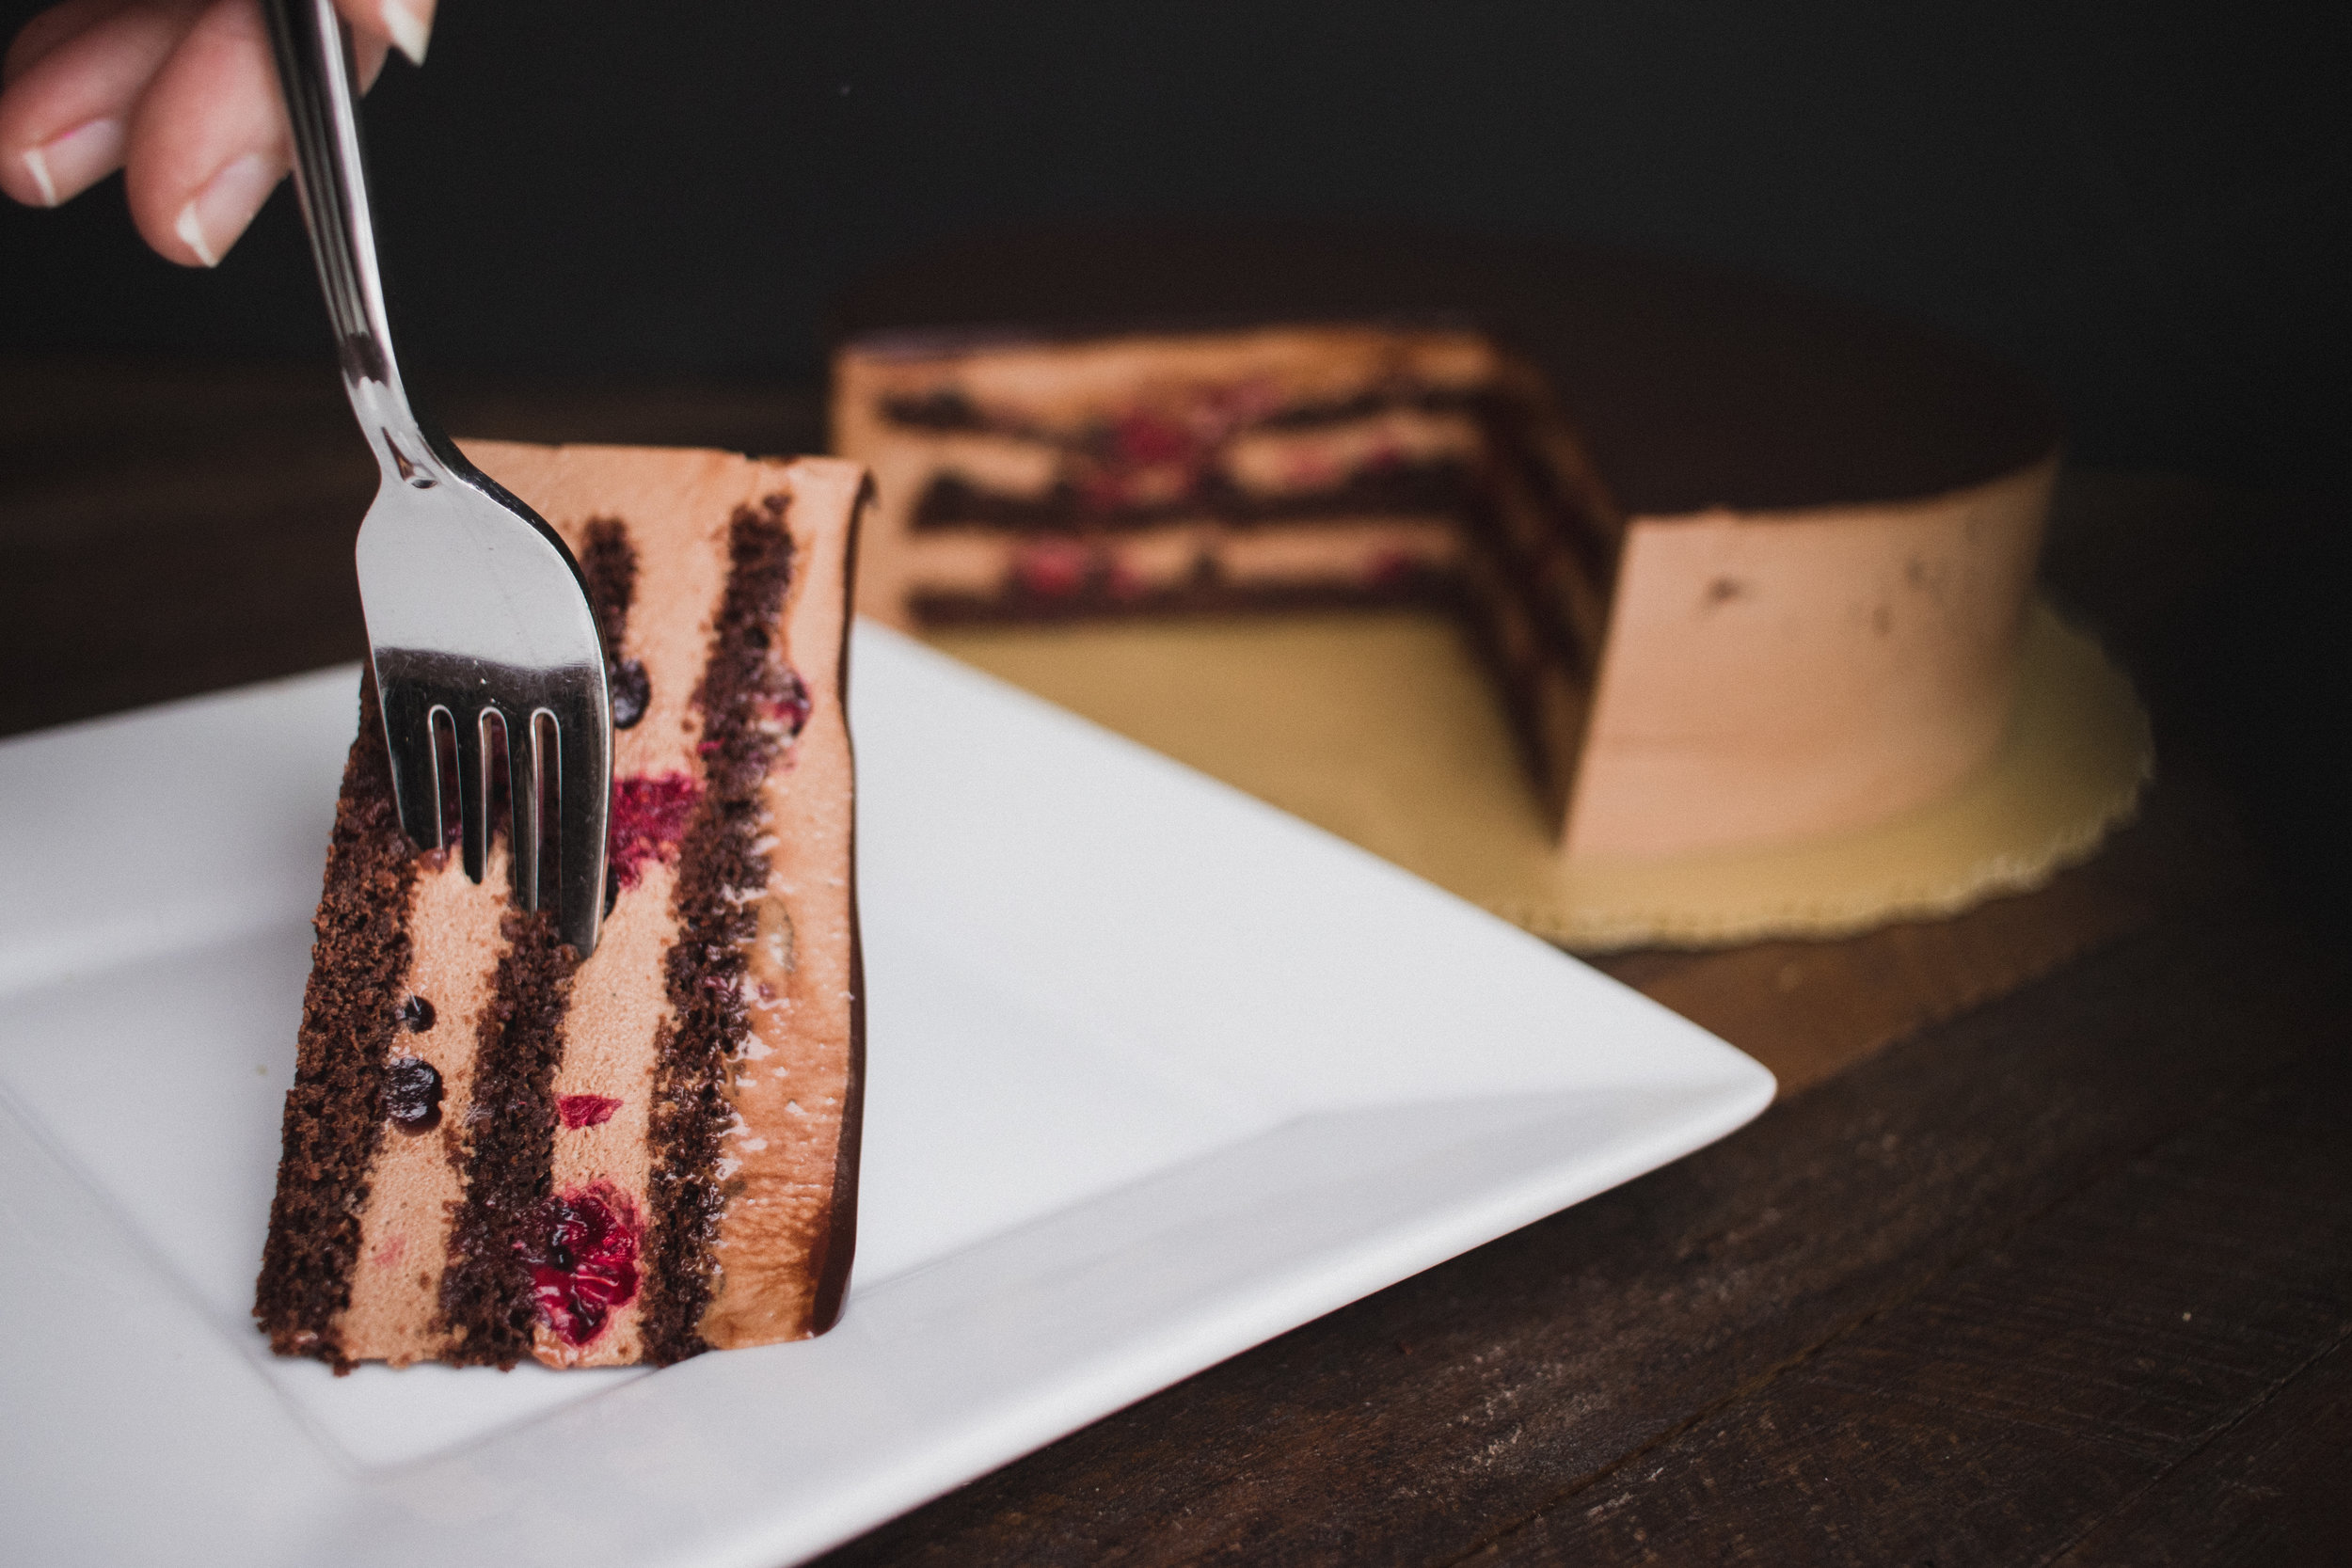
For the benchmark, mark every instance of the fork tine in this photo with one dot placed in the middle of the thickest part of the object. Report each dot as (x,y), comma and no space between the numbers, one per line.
(474,789)
(525,780)
(415,763)
(582,797)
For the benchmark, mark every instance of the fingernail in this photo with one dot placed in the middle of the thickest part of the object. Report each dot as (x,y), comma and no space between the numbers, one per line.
(210,224)
(409,28)
(64,165)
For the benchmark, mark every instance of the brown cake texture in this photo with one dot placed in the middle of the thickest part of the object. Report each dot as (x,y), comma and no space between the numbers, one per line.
(494,1149)
(1747,566)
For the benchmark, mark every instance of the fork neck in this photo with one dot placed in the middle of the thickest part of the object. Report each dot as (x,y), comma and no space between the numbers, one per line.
(315,69)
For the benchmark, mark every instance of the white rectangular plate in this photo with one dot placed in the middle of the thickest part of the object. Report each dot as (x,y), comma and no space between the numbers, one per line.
(1157,1073)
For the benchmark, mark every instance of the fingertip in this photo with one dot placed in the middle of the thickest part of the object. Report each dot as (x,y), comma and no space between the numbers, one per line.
(64,166)
(403,25)
(217,216)
(208,140)
(72,89)
(31,166)
(409,26)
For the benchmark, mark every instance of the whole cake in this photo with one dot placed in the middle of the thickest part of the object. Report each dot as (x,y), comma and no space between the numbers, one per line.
(1747,567)
(494,1151)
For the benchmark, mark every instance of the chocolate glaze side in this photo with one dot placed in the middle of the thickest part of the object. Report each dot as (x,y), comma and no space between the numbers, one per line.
(334,1117)
(690,1109)
(1691,388)
(508,1147)
(838,1249)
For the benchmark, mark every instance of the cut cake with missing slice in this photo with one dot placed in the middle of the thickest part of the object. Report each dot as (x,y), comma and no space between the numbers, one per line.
(1749,568)
(494,1150)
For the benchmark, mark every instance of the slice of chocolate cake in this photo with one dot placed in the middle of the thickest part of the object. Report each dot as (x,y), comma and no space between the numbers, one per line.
(1748,567)
(494,1150)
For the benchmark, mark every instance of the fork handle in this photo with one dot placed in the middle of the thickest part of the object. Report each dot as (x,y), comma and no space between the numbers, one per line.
(315,69)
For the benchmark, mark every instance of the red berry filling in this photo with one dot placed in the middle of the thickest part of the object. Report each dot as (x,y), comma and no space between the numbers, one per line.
(650,811)
(1395,569)
(586,1110)
(1165,453)
(581,1249)
(789,705)
(1141,439)
(1052,570)
(1124,583)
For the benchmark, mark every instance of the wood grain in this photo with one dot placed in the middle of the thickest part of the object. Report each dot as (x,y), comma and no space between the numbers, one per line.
(2267,1492)
(2040,1385)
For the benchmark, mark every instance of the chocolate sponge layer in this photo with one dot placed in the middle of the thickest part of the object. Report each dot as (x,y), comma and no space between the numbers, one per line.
(334,1114)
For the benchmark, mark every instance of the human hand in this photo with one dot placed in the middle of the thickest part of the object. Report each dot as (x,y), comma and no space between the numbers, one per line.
(181,95)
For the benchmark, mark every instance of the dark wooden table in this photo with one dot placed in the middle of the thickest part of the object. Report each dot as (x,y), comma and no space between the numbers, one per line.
(2044,1254)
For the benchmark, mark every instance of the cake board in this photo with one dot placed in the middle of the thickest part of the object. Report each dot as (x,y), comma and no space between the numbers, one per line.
(1380,728)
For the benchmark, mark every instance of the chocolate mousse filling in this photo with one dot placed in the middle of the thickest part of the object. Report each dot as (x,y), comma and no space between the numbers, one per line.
(335,1114)
(752,705)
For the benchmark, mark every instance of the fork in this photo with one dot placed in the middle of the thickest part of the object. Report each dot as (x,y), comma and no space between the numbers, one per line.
(479,624)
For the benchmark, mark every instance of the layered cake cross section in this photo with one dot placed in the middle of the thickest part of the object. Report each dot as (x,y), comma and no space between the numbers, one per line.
(1280,467)
(494,1150)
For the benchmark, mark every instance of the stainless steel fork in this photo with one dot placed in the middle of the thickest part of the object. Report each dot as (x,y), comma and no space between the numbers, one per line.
(479,623)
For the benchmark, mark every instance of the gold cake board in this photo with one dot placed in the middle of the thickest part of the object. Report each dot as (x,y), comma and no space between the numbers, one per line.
(1381,729)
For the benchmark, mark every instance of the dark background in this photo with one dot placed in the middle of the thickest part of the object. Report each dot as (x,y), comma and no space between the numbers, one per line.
(2142,204)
